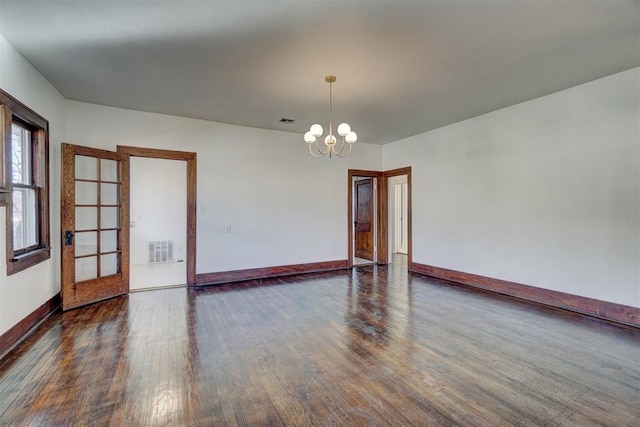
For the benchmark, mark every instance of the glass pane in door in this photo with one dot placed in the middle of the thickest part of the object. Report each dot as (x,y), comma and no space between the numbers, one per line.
(86,268)
(86,243)
(86,168)
(108,264)
(86,219)
(108,241)
(86,193)
(108,194)
(108,170)
(108,218)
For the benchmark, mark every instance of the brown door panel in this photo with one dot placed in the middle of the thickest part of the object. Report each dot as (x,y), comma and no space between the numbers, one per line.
(364,219)
(94,221)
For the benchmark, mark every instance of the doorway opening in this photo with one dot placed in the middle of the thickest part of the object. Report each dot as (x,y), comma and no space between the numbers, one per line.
(156,247)
(398,215)
(158,223)
(389,232)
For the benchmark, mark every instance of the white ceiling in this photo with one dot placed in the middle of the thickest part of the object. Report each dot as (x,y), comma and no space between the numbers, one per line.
(403,67)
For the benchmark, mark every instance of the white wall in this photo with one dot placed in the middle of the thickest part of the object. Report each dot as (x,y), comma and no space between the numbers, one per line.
(283,206)
(23,292)
(544,193)
(158,211)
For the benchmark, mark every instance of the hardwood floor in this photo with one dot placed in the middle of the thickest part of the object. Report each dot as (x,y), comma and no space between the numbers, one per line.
(364,347)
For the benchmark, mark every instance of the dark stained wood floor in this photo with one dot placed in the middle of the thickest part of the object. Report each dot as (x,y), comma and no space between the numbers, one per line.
(368,347)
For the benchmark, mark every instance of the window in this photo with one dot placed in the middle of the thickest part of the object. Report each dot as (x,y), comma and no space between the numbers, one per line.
(24,197)
(24,178)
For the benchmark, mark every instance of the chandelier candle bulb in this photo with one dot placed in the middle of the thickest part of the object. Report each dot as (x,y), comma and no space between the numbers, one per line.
(349,137)
(316,130)
(344,129)
(330,140)
(309,138)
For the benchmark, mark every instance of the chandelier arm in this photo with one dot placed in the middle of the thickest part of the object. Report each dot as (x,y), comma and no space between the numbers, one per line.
(314,154)
(348,152)
(341,148)
(324,152)
(320,153)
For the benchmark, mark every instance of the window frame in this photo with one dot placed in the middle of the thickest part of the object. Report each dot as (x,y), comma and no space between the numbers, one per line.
(12,110)
(30,184)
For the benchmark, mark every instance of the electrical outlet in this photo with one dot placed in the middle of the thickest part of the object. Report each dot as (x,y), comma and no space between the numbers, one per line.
(227,229)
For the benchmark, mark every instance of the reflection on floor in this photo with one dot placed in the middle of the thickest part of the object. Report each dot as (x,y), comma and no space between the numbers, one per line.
(395,258)
(362,261)
(145,276)
(399,260)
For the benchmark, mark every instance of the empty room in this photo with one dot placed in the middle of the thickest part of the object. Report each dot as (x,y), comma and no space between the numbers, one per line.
(320,213)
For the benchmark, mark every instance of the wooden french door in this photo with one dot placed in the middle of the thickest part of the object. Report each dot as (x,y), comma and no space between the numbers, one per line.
(94,225)
(363,224)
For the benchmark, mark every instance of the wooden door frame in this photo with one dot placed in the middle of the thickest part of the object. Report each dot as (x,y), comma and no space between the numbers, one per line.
(380,201)
(381,212)
(191,159)
(399,172)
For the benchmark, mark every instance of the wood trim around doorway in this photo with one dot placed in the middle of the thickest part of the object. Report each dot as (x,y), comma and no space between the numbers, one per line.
(191,159)
(399,172)
(381,259)
(382,211)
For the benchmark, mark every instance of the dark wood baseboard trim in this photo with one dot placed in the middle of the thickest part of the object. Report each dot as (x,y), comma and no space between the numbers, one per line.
(592,307)
(261,273)
(20,330)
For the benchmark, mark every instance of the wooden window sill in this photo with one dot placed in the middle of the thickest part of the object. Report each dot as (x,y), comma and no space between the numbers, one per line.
(24,261)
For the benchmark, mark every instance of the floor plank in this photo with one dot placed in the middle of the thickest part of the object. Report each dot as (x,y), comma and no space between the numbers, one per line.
(372,346)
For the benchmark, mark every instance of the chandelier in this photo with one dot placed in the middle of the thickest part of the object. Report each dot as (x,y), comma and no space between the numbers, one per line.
(344,131)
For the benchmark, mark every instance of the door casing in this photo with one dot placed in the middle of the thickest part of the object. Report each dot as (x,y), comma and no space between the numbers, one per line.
(381,212)
(191,159)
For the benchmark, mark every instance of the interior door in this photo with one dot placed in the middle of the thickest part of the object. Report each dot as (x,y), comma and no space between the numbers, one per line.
(94,224)
(363,224)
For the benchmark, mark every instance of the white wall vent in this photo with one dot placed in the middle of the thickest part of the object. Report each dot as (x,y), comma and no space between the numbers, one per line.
(160,251)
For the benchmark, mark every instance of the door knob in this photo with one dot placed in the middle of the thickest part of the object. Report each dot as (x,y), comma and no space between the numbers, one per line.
(68,238)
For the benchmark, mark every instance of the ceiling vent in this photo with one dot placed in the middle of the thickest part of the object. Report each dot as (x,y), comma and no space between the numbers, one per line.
(285,120)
